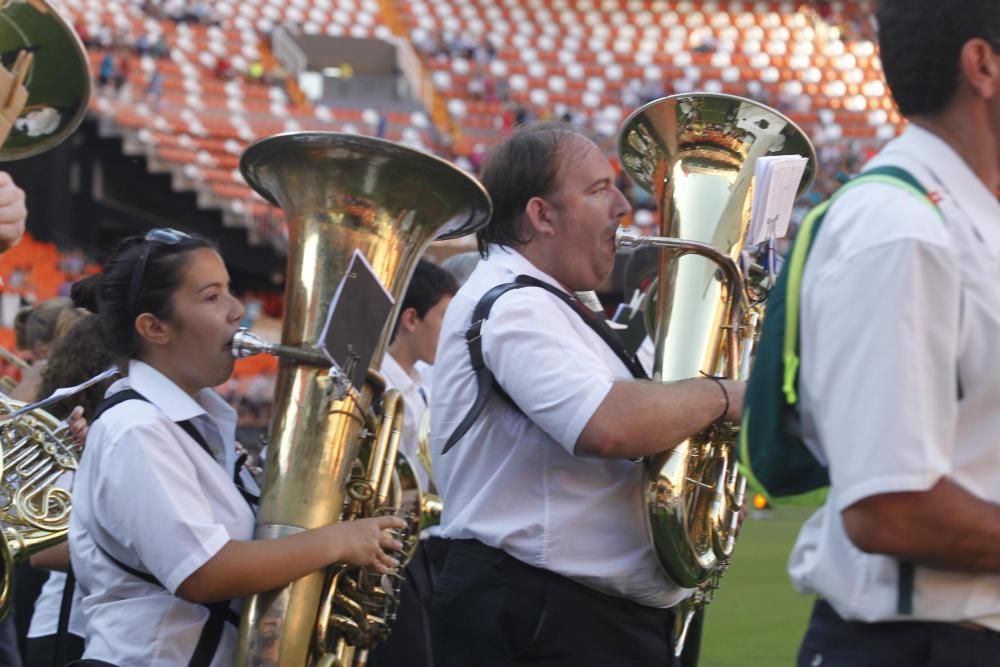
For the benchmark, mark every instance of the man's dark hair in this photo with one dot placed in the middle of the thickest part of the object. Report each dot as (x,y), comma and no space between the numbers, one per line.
(430,284)
(162,276)
(524,165)
(920,42)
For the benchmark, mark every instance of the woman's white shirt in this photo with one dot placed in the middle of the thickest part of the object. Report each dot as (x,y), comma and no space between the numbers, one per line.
(152,498)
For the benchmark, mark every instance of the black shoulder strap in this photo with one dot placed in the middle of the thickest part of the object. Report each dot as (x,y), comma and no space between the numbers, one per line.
(593,320)
(65,608)
(484,377)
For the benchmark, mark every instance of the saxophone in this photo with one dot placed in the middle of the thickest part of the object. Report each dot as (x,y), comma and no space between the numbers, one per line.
(696,154)
(332,453)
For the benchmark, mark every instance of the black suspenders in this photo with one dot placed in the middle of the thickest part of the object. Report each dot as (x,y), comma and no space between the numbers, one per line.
(219,613)
(484,377)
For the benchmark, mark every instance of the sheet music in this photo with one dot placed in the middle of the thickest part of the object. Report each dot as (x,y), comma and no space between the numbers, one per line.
(776,184)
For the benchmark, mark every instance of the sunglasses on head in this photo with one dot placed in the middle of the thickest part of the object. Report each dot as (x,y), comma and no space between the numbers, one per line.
(164,236)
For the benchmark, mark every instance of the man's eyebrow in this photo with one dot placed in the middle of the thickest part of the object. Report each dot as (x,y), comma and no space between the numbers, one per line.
(601,181)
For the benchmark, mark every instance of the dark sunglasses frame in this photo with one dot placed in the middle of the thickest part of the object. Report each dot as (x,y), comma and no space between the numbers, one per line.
(162,235)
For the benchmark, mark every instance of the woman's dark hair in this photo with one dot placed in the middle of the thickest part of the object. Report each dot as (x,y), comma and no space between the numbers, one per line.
(78,356)
(157,279)
(430,284)
(523,166)
(920,42)
(84,292)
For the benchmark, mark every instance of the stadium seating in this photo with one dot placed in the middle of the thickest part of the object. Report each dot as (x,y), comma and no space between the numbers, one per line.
(600,58)
(593,60)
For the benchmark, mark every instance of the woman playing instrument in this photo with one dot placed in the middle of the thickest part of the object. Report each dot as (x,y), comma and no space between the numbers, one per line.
(162,521)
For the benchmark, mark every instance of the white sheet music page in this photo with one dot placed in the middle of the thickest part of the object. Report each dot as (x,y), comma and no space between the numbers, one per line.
(776,182)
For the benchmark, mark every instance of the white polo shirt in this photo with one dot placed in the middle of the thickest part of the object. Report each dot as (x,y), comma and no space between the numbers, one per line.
(898,308)
(150,496)
(416,397)
(513,481)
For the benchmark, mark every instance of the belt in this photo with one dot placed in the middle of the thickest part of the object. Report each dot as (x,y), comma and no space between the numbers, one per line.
(476,549)
(827,608)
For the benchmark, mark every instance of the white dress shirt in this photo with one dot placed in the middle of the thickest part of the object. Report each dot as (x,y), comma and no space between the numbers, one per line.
(899,307)
(415,400)
(513,481)
(150,496)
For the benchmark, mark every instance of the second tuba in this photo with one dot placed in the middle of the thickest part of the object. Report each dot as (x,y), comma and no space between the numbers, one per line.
(696,154)
(331,456)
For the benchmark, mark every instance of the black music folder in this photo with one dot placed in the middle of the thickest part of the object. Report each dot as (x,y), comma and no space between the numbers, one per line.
(357,315)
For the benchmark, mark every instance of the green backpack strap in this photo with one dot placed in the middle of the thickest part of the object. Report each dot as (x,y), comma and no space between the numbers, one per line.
(888,175)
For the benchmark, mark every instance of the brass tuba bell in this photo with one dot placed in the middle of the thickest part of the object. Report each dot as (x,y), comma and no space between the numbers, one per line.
(331,455)
(44,79)
(696,154)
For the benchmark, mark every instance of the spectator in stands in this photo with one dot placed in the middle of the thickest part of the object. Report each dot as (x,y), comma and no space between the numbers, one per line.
(142,44)
(160,49)
(154,87)
(121,74)
(84,34)
(106,70)
(223,68)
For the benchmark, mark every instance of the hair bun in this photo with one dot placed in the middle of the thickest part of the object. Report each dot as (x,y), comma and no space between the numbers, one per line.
(84,292)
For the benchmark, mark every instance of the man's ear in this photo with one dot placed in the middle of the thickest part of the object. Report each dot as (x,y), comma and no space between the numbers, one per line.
(538,218)
(152,329)
(980,66)
(408,320)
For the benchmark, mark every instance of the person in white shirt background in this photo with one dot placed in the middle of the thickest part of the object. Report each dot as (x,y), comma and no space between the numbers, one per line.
(77,357)
(900,367)
(160,534)
(414,340)
(549,562)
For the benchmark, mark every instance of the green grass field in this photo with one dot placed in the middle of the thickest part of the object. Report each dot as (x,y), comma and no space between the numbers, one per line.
(757,619)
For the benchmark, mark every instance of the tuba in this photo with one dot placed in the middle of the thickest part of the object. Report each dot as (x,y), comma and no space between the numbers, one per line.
(696,154)
(332,452)
(44,78)
(44,92)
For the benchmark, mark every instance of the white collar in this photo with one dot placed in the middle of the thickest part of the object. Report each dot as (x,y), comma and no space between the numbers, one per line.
(397,375)
(175,403)
(518,264)
(967,190)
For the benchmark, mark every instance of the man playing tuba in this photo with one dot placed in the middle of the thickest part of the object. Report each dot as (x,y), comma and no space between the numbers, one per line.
(549,562)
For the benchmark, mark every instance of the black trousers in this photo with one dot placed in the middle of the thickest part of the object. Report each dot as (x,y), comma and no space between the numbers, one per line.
(831,641)
(491,610)
(42,650)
